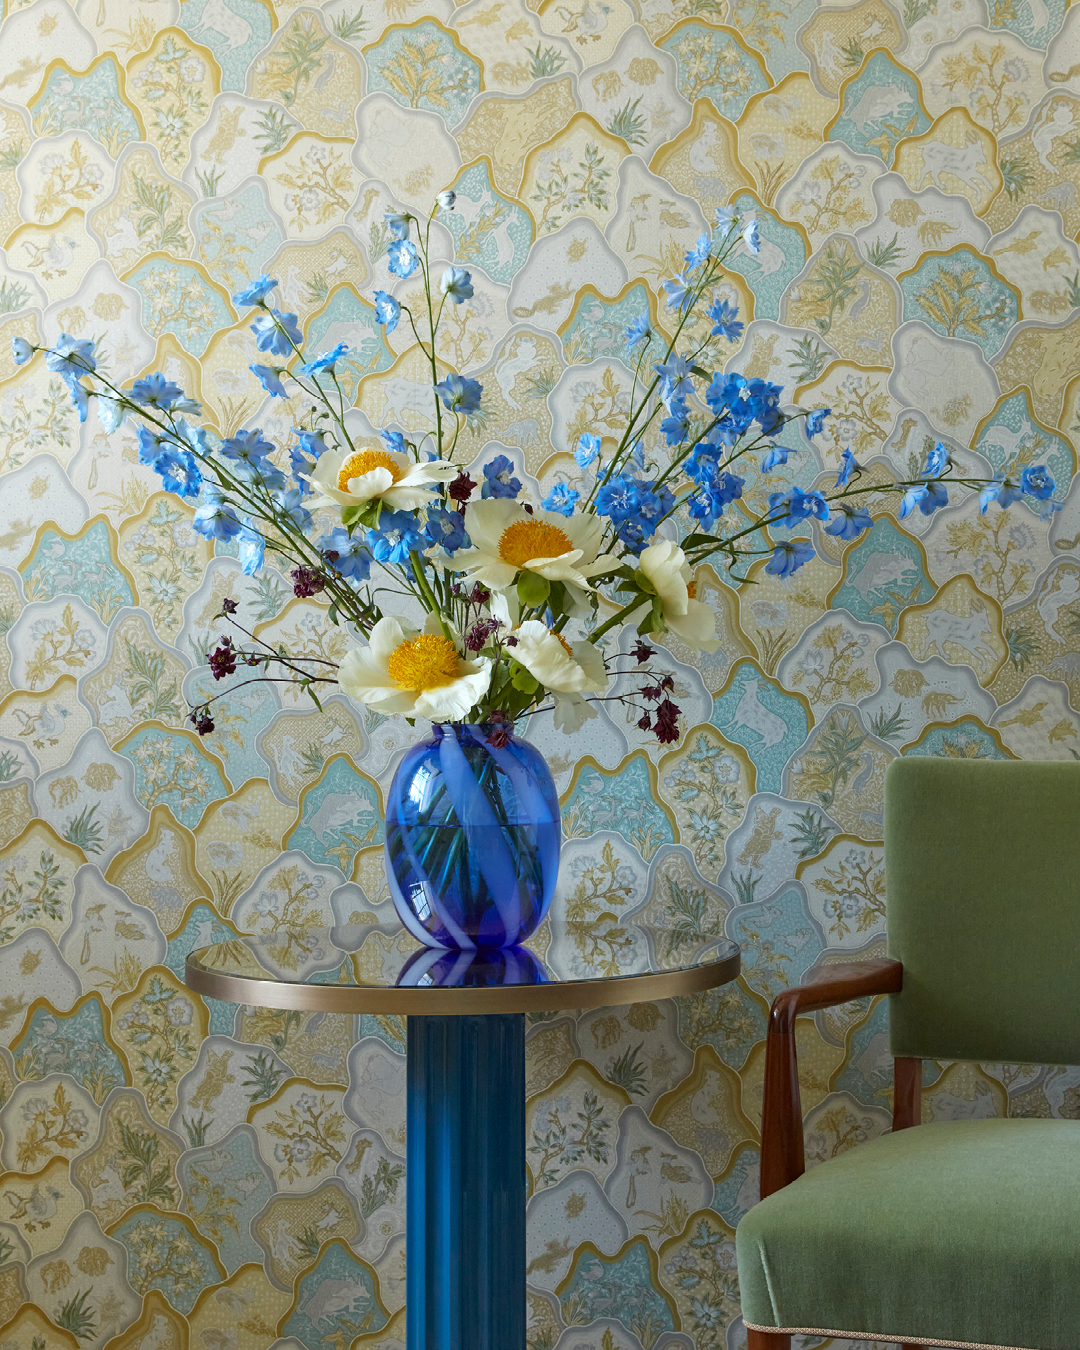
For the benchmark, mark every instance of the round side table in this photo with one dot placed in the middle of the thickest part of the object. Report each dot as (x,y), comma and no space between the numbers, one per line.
(465,1070)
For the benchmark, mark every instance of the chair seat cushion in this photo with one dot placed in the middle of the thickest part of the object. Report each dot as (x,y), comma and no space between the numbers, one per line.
(964,1231)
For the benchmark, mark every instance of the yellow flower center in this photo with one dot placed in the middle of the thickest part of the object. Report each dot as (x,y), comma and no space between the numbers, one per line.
(424,662)
(691,589)
(527,539)
(362,462)
(565,645)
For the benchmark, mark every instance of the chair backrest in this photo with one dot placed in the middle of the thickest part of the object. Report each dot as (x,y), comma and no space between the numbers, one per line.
(982,862)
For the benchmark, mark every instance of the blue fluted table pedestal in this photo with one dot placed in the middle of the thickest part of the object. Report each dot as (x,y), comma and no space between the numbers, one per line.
(465,1148)
(465,1183)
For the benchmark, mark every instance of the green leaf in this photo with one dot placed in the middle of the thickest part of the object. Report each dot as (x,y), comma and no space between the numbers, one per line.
(523,681)
(698,541)
(533,589)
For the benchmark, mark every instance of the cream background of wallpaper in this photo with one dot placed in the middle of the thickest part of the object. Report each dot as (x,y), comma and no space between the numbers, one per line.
(181,1173)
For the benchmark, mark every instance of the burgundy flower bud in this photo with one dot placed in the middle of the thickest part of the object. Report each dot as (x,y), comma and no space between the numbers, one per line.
(462,488)
(307,582)
(228,606)
(202,721)
(479,595)
(650,692)
(642,652)
(645,722)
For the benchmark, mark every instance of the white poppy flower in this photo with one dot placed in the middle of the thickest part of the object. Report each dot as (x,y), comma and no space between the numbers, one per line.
(665,566)
(507,540)
(415,674)
(356,477)
(559,667)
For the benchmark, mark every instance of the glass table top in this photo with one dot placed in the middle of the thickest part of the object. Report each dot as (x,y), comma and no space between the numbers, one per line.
(361,968)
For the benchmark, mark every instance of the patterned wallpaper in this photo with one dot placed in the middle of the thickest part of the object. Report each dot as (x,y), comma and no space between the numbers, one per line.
(179,1172)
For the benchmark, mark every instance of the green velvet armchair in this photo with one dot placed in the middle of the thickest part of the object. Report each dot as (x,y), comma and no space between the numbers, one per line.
(957,1233)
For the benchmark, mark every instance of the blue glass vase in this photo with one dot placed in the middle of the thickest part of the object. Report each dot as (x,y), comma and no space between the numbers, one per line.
(472,838)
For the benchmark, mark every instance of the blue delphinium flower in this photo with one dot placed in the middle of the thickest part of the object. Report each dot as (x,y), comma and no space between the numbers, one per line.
(618,498)
(849,521)
(1037,481)
(937,496)
(561,499)
(216,518)
(457,284)
(460,394)
(911,499)
(702,462)
(395,441)
(387,311)
(816,420)
(446,199)
(588,447)
(327,361)
(252,548)
(397,222)
(638,330)
(716,493)
(674,375)
(446,529)
(151,444)
(21,350)
(155,391)
(266,474)
(726,216)
(726,321)
(195,438)
(849,467)
(499,480)
(80,396)
(788,556)
(676,426)
(353,558)
(246,447)
(277,333)
(71,356)
(179,471)
(800,505)
(680,292)
(654,503)
(1005,489)
(635,533)
(112,412)
(397,536)
(256,292)
(751,237)
(302,457)
(774,457)
(270,379)
(402,257)
(936,461)
(697,255)
(291,503)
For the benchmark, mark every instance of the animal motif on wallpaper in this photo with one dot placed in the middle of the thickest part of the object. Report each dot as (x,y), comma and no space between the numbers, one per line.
(212,1084)
(762,838)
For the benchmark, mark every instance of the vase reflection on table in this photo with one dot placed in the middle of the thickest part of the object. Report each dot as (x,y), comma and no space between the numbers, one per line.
(487,968)
(473,837)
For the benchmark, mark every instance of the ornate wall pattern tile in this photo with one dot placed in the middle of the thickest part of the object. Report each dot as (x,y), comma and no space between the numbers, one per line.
(181,1171)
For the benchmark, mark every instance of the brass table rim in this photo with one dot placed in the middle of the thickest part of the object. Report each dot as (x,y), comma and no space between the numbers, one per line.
(604,991)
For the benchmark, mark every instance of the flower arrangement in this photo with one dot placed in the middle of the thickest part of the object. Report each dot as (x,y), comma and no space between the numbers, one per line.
(502,605)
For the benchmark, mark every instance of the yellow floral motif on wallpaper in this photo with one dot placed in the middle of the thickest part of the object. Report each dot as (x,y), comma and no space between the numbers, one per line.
(916,177)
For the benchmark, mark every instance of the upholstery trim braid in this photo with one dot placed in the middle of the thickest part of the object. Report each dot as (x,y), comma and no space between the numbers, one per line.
(886,1336)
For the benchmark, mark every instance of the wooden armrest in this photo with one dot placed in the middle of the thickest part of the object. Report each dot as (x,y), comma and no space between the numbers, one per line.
(783,1155)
